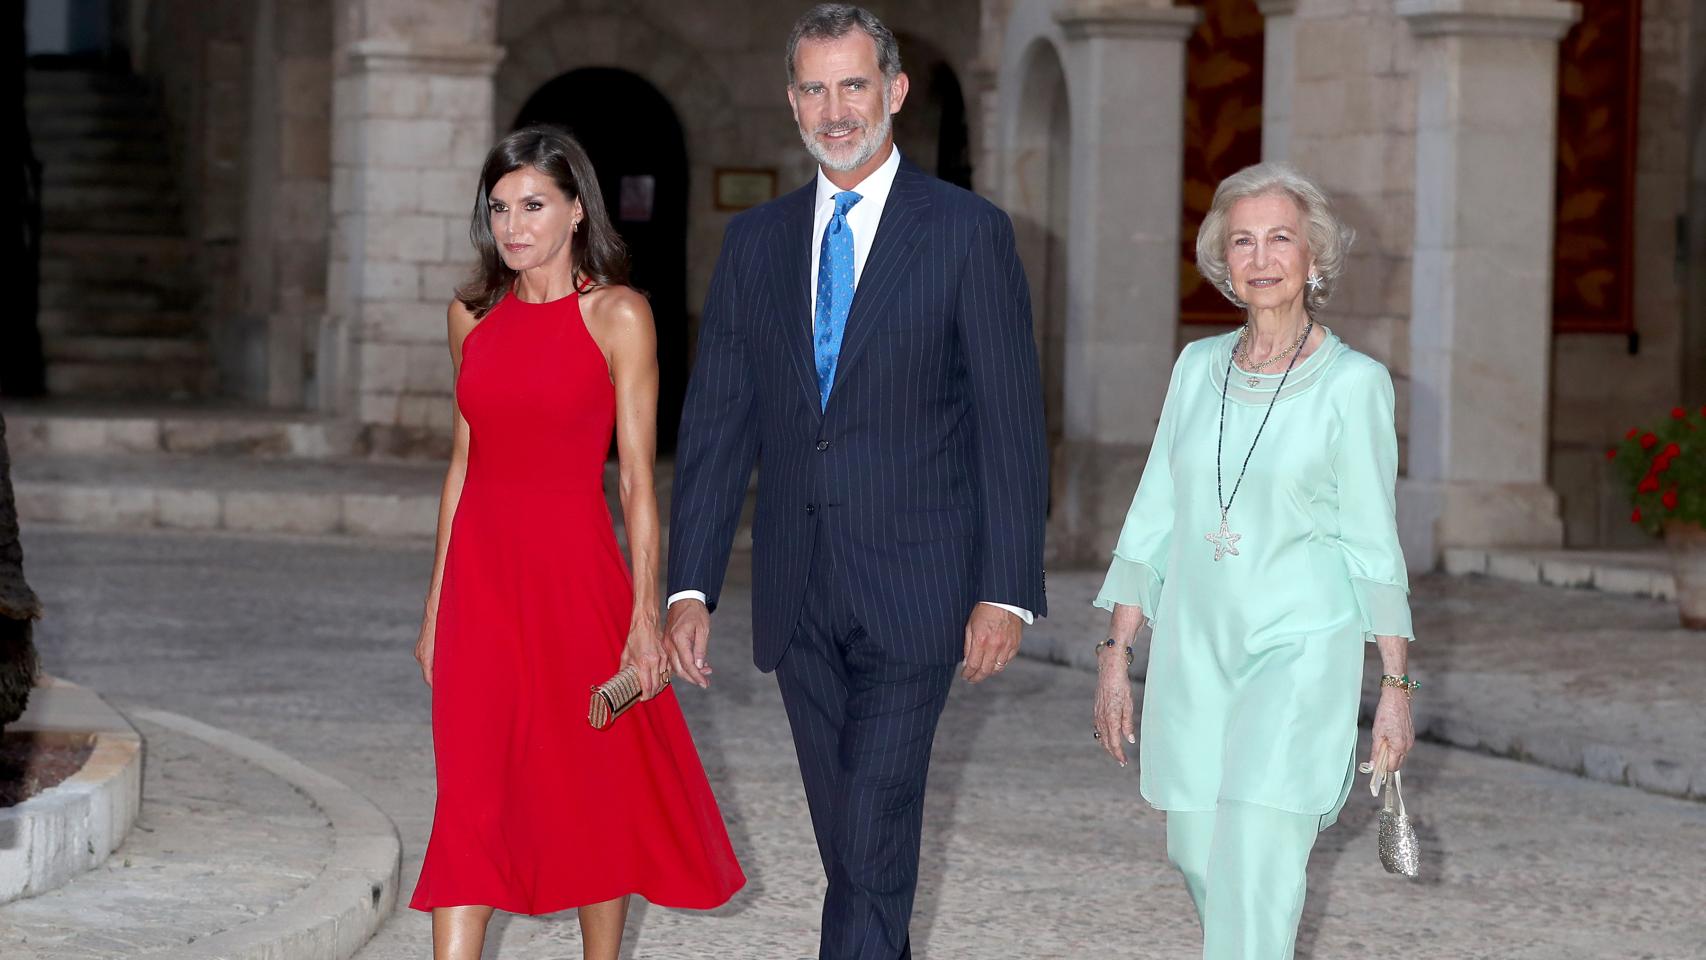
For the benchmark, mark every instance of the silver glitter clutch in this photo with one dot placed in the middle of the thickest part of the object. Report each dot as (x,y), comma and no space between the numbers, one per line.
(1399,851)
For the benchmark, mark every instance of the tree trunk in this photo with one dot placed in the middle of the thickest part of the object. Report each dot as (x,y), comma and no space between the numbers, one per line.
(18,603)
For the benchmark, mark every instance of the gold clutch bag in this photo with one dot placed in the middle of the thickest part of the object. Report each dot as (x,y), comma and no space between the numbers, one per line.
(614,697)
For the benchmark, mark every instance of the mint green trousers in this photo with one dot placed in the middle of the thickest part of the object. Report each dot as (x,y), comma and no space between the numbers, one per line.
(1246,866)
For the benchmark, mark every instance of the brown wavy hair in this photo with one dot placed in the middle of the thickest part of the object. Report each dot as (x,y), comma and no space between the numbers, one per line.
(597,251)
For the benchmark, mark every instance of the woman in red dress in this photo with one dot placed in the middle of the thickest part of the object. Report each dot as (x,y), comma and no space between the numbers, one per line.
(531,602)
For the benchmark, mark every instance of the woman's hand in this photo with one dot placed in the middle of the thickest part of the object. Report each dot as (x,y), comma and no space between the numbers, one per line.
(423,645)
(1393,730)
(1114,722)
(645,652)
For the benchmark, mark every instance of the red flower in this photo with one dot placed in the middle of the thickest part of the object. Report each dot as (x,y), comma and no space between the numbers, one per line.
(1669,499)
(1648,485)
(1636,516)
(1671,451)
(1611,454)
(1677,413)
(1635,430)
(1647,441)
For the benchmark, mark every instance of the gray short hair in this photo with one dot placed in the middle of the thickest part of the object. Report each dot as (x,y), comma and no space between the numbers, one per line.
(832,21)
(1329,238)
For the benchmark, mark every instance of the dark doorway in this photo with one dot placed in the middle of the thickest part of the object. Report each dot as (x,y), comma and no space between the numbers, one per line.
(635,141)
(931,128)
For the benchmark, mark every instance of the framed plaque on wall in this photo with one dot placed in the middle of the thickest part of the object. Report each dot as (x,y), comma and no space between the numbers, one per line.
(737,188)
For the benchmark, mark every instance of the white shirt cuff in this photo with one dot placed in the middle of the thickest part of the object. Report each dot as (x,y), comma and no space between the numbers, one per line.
(698,595)
(1019,612)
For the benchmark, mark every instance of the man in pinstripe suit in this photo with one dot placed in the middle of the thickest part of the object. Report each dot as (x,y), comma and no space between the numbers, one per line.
(868,338)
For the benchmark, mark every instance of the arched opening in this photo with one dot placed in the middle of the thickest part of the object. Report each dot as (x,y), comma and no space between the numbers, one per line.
(1039,196)
(636,144)
(932,130)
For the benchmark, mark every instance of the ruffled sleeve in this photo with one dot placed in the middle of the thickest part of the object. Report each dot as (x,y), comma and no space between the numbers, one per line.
(1366,467)
(1139,567)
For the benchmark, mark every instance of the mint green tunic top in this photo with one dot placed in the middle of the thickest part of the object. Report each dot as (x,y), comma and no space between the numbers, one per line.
(1255,664)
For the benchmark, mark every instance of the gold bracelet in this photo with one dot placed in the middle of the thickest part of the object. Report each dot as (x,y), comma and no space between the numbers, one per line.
(1403,683)
(1110,642)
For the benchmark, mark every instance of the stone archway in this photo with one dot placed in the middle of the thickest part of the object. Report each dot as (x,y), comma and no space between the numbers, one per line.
(561,39)
(637,147)
(932,131)
(1122,70)
(1037,179)
(570,40)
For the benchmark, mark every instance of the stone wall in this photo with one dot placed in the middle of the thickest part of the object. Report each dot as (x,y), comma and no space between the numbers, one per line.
(411,123)
(350,210)
(1601,387)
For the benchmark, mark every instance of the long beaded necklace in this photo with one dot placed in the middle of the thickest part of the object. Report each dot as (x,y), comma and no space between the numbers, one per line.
(1224,540)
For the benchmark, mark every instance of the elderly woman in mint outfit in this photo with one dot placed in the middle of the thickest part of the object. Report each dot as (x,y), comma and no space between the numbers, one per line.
(1262,547)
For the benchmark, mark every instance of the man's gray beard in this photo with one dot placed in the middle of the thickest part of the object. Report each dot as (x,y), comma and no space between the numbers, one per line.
(868,147)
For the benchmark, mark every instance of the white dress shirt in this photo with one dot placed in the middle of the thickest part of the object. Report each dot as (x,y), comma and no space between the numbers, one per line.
(862,219)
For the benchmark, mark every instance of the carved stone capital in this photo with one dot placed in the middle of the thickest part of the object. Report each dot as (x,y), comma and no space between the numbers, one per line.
(1095,19)
(1524,19)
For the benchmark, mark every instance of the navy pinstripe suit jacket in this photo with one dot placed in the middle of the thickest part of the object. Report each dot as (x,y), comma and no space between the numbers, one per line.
(927,472)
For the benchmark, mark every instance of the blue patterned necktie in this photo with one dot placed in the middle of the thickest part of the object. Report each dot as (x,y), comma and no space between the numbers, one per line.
(834,292)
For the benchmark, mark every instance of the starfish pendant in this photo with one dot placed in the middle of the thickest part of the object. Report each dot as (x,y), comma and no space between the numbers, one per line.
(1224,540)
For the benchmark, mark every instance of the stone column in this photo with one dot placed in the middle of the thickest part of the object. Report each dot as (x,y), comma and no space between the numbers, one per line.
(1694,315)
(412,120)
(1279,75)
(1481,304)
(1126,73)
(983,117)
(265,348)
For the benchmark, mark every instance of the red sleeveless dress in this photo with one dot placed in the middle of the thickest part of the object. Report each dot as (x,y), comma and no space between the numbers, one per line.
(537,812)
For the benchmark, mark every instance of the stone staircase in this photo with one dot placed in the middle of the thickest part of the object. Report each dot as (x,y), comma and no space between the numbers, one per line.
(118,284)
(204,467)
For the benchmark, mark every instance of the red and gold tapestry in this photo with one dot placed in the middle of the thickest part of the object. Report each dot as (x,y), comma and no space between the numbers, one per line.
(1599,67)
(1223,133)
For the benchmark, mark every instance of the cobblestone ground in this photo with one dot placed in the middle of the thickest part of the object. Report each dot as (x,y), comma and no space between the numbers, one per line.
(1036,845)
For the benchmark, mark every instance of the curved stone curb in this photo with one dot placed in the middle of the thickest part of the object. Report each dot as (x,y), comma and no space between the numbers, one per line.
(72,827)
(1448,723)
(340,910)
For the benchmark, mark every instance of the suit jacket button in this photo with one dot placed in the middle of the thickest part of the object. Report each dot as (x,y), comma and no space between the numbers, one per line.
(822,445)
(811,508)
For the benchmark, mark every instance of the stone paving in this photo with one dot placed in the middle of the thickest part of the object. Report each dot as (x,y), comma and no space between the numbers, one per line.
(219,842)
(1036,846)
(1588,682)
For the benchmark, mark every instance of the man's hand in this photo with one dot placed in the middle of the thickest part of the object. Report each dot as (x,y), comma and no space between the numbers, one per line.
(992,640)
(688,636)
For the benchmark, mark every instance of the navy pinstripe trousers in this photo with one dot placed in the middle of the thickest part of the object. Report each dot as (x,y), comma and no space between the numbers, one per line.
(863,726)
